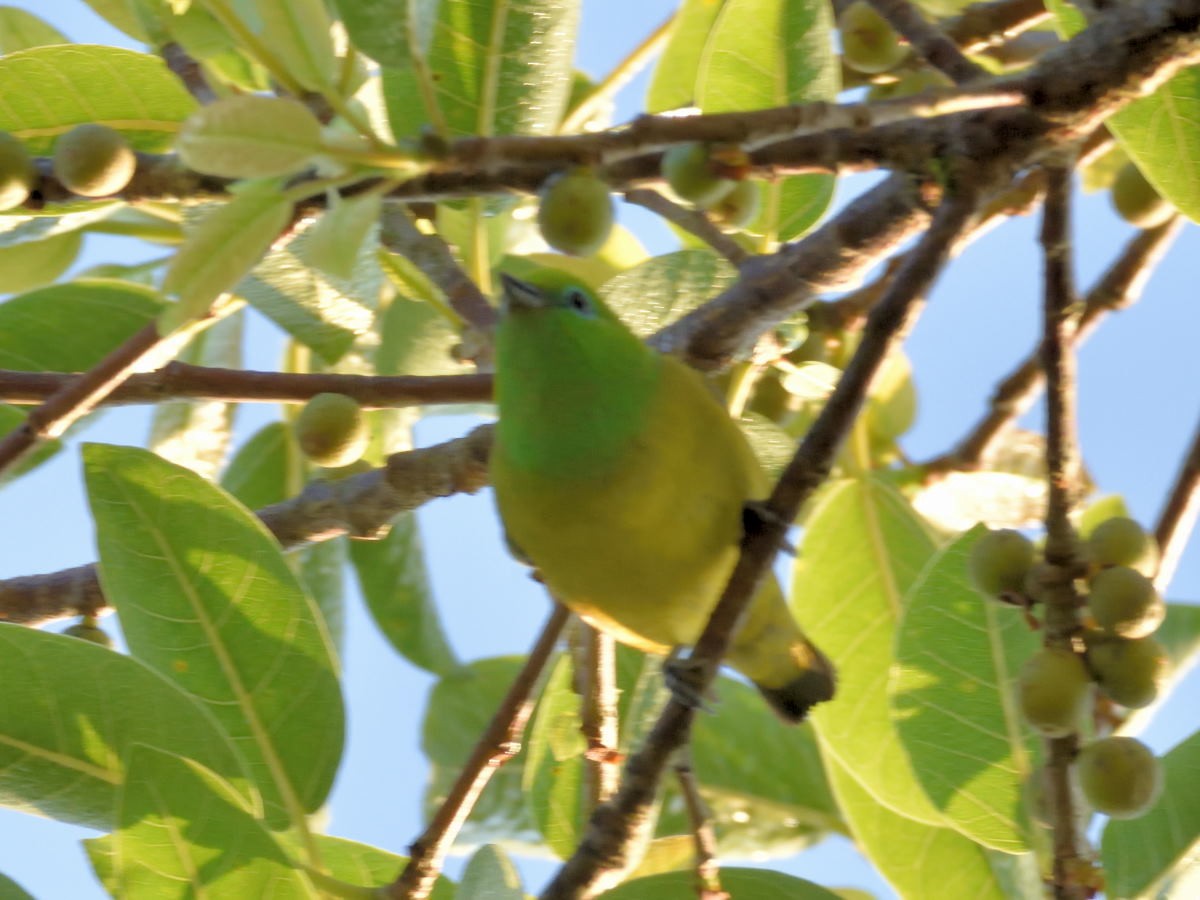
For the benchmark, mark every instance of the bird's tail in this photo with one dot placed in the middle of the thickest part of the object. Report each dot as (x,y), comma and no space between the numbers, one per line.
(769,648)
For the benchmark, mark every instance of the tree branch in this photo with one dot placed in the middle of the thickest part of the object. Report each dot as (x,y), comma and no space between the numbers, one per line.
(928,40)
(599,713)
(692,221)
(1178,517)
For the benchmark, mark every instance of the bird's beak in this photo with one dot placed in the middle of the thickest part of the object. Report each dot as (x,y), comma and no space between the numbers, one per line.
(519,295)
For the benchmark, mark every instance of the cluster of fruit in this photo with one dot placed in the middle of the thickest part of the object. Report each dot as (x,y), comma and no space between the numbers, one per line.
(89,160)
(1119,776)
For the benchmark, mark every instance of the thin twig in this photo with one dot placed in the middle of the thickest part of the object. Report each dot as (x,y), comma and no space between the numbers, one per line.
(603,855)
(983,25)
(1060,316)
(499,743)
(928,40)
(184,381)
(692,221)
(708,872)
(189,71)
(1178,516)
(599,719)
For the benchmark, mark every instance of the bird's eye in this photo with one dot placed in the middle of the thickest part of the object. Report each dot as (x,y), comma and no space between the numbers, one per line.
(578,301)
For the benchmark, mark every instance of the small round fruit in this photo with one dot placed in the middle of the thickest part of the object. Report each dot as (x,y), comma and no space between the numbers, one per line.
(739,207)
(1124,603)
(575,214)
(331,430)
(1119,541)
(93,161)
(688,170)
(89,631)
(1136,201)
(1119,776)
(1053,691)
(1130,672)
(1000,560)
(869,43)
(17,175)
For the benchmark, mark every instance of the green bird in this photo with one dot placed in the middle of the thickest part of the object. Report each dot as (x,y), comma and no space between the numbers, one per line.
(622,479)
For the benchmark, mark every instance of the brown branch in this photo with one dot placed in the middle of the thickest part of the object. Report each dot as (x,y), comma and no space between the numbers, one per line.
(360,505)
(183,381)
(983,25)
(1120,286)
(599,717)
(927,39)
(603,855)
(499,743)
(692,221)
(1062,469)
(708,872)
(188,71)
(1178,516)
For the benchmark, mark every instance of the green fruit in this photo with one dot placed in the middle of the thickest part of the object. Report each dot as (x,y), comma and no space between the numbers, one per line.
(1119,776)
(1121,541)
(331,430)
(1130,672)
(739,207)
(93,161)
(17,175)
(1124,603)
(89,631)
(869,43)
(688,170)
(999,562)
(576,212)
(1136,201)
(1053,691)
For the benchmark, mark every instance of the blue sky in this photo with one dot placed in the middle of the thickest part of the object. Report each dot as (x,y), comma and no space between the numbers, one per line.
(1139,400)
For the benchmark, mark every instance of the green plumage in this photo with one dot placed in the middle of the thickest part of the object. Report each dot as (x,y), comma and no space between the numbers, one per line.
(622,480)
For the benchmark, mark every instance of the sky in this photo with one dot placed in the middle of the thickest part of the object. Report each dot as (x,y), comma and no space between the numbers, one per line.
(1139,401)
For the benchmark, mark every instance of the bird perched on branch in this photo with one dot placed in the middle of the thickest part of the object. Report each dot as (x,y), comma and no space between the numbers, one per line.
(622,479)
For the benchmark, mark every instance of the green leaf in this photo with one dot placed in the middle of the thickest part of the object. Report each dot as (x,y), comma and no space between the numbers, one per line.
(211,603)
(27,266)
(248,136)
(319,310)
(320,567)
(389,30)
(72,711)
(299,33)
(744,884)
(182,832)
(917,859)
(490,875)
(395,585)
(121,15)
(458,710)
(362,864)
(21,29)
(663,288)
(1139,853)
(863,548)
(195,433)
(229,241)
(554,765)
(496,68)
(263,470)
(47,91)
(39,331)
(11,417)
(38,225)
(336,242)
(1180,636)
(957,654)
(10,890)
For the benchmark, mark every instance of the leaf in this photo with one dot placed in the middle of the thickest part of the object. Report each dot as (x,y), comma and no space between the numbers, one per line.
(195,433)
(1139,853)
(388,30)
(182,832)
(1180,636)
(39,330)
(362,864)
(496,68)
(21,29)
(323,312)
(863,549)
(490,875)
(72,711)
(37,225)
(663,288)
(336,242)
(554,777)
(957,655)
(744,884)
(262,471)
(11,418)
(206,598)
(121,15)
(395,585)
(24,267)
(299,33)
(248,136)
(47,91)
(10,890)
(416,339)
(320,568)
(917,859)
(229,241)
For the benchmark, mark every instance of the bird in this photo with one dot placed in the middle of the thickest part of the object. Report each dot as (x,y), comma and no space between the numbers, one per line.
(620,477)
